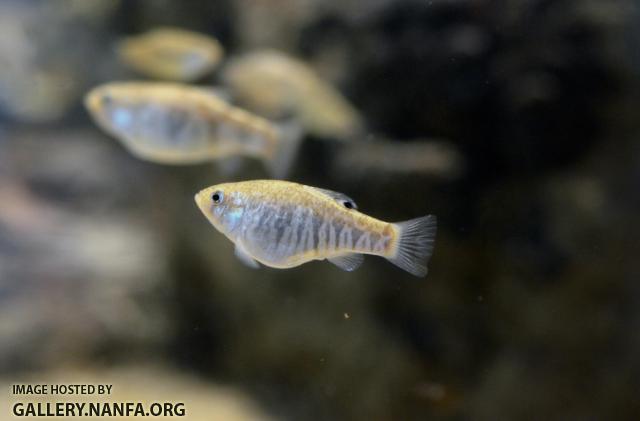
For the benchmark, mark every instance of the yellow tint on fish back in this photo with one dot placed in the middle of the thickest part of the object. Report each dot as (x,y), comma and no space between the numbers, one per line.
(247,133)
(325,227)
(283,224)
(171,53)
(273,83)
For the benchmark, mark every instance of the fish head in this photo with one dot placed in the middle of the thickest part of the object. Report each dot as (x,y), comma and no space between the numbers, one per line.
(223,206)
(112,107)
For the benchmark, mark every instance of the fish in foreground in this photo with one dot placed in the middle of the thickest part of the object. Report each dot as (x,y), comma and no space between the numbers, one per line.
(283,224)
(171,54)
(272,83)
(171,123)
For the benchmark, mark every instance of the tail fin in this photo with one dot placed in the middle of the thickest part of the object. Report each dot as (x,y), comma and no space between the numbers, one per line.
(415,244)
(290,138)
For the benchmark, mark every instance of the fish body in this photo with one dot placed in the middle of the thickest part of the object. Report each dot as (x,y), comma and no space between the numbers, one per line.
(380,156)
(172,123)
(272,83)
(171,54)
(283,224)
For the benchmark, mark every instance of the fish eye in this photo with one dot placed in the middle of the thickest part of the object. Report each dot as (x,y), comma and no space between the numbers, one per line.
(217,197)
(106,99)
(347,204)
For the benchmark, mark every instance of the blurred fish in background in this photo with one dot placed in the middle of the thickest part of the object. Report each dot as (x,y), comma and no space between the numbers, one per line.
(274,85)
(171,54)
(514,121)
(171,123)
(377,157)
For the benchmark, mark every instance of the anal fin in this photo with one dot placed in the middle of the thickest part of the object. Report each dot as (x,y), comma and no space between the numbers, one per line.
(245,258)
(348,261)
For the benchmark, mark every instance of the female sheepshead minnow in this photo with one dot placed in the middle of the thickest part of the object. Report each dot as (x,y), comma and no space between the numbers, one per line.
(171,54)
(282,224)
(171,123)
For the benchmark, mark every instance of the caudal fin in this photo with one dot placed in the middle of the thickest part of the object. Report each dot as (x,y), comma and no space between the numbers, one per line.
(290,137)
(415,244)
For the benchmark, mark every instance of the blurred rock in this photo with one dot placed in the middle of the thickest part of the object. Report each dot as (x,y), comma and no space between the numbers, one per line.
(81,273)
(41,78)
(259,27)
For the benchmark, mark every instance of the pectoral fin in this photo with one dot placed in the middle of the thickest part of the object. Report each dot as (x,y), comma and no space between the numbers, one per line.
(245,258)
(348,262)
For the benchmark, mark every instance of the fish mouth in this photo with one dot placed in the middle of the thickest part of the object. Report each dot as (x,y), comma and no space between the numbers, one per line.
(93,100)
(199,199)
(202,200)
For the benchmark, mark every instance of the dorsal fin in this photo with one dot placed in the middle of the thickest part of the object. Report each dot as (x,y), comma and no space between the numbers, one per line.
(341,198)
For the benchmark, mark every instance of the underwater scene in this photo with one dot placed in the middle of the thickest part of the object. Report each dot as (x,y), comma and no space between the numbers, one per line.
(260,210)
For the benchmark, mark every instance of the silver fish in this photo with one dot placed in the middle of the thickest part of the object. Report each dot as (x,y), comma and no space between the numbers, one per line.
(172,123)
(272,83)
(283,224)
(171,54)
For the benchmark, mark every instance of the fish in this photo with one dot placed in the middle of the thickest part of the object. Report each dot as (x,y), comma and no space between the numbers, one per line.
(384,157)
(176,124)
(272,83)
(172,54)
(282,224)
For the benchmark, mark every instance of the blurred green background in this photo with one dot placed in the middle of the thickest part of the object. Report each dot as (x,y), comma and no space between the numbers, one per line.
(531,309)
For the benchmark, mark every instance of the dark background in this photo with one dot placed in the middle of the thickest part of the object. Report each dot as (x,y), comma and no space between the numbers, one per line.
(531,309)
